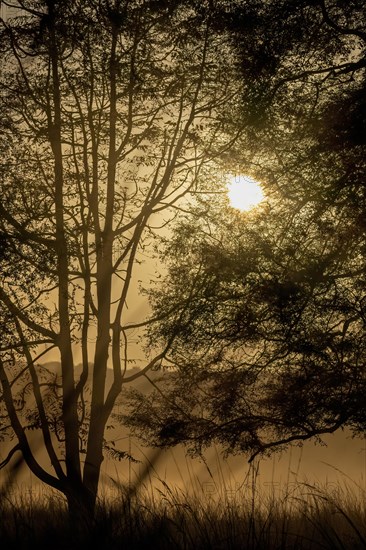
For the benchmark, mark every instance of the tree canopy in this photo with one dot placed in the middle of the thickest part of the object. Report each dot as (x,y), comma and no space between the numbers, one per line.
(269,306)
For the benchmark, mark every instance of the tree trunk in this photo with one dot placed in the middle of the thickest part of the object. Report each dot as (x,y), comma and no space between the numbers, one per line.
(81,509)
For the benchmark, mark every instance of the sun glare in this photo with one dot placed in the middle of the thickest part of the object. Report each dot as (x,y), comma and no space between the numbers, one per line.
(244,192)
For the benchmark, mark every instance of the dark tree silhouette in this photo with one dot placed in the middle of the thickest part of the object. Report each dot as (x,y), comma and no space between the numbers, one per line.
(112,113)
(269,316)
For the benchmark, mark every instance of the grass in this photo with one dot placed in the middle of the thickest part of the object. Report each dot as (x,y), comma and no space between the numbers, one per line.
(302,517)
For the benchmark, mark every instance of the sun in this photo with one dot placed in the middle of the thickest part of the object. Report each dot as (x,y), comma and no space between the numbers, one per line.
(244,192)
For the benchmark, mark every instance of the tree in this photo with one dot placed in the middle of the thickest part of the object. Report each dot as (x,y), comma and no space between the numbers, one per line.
(269,316)
(113,112)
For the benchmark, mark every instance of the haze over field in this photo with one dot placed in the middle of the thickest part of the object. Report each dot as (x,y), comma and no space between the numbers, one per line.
(340,460)
(182,272)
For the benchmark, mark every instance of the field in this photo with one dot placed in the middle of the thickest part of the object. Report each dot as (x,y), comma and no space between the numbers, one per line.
(302,516)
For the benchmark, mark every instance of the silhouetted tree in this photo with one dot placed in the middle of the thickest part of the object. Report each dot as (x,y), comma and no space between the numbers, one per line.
(269,316)
(113,112)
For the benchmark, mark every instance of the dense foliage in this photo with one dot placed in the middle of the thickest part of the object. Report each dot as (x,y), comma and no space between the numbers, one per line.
(268,308)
